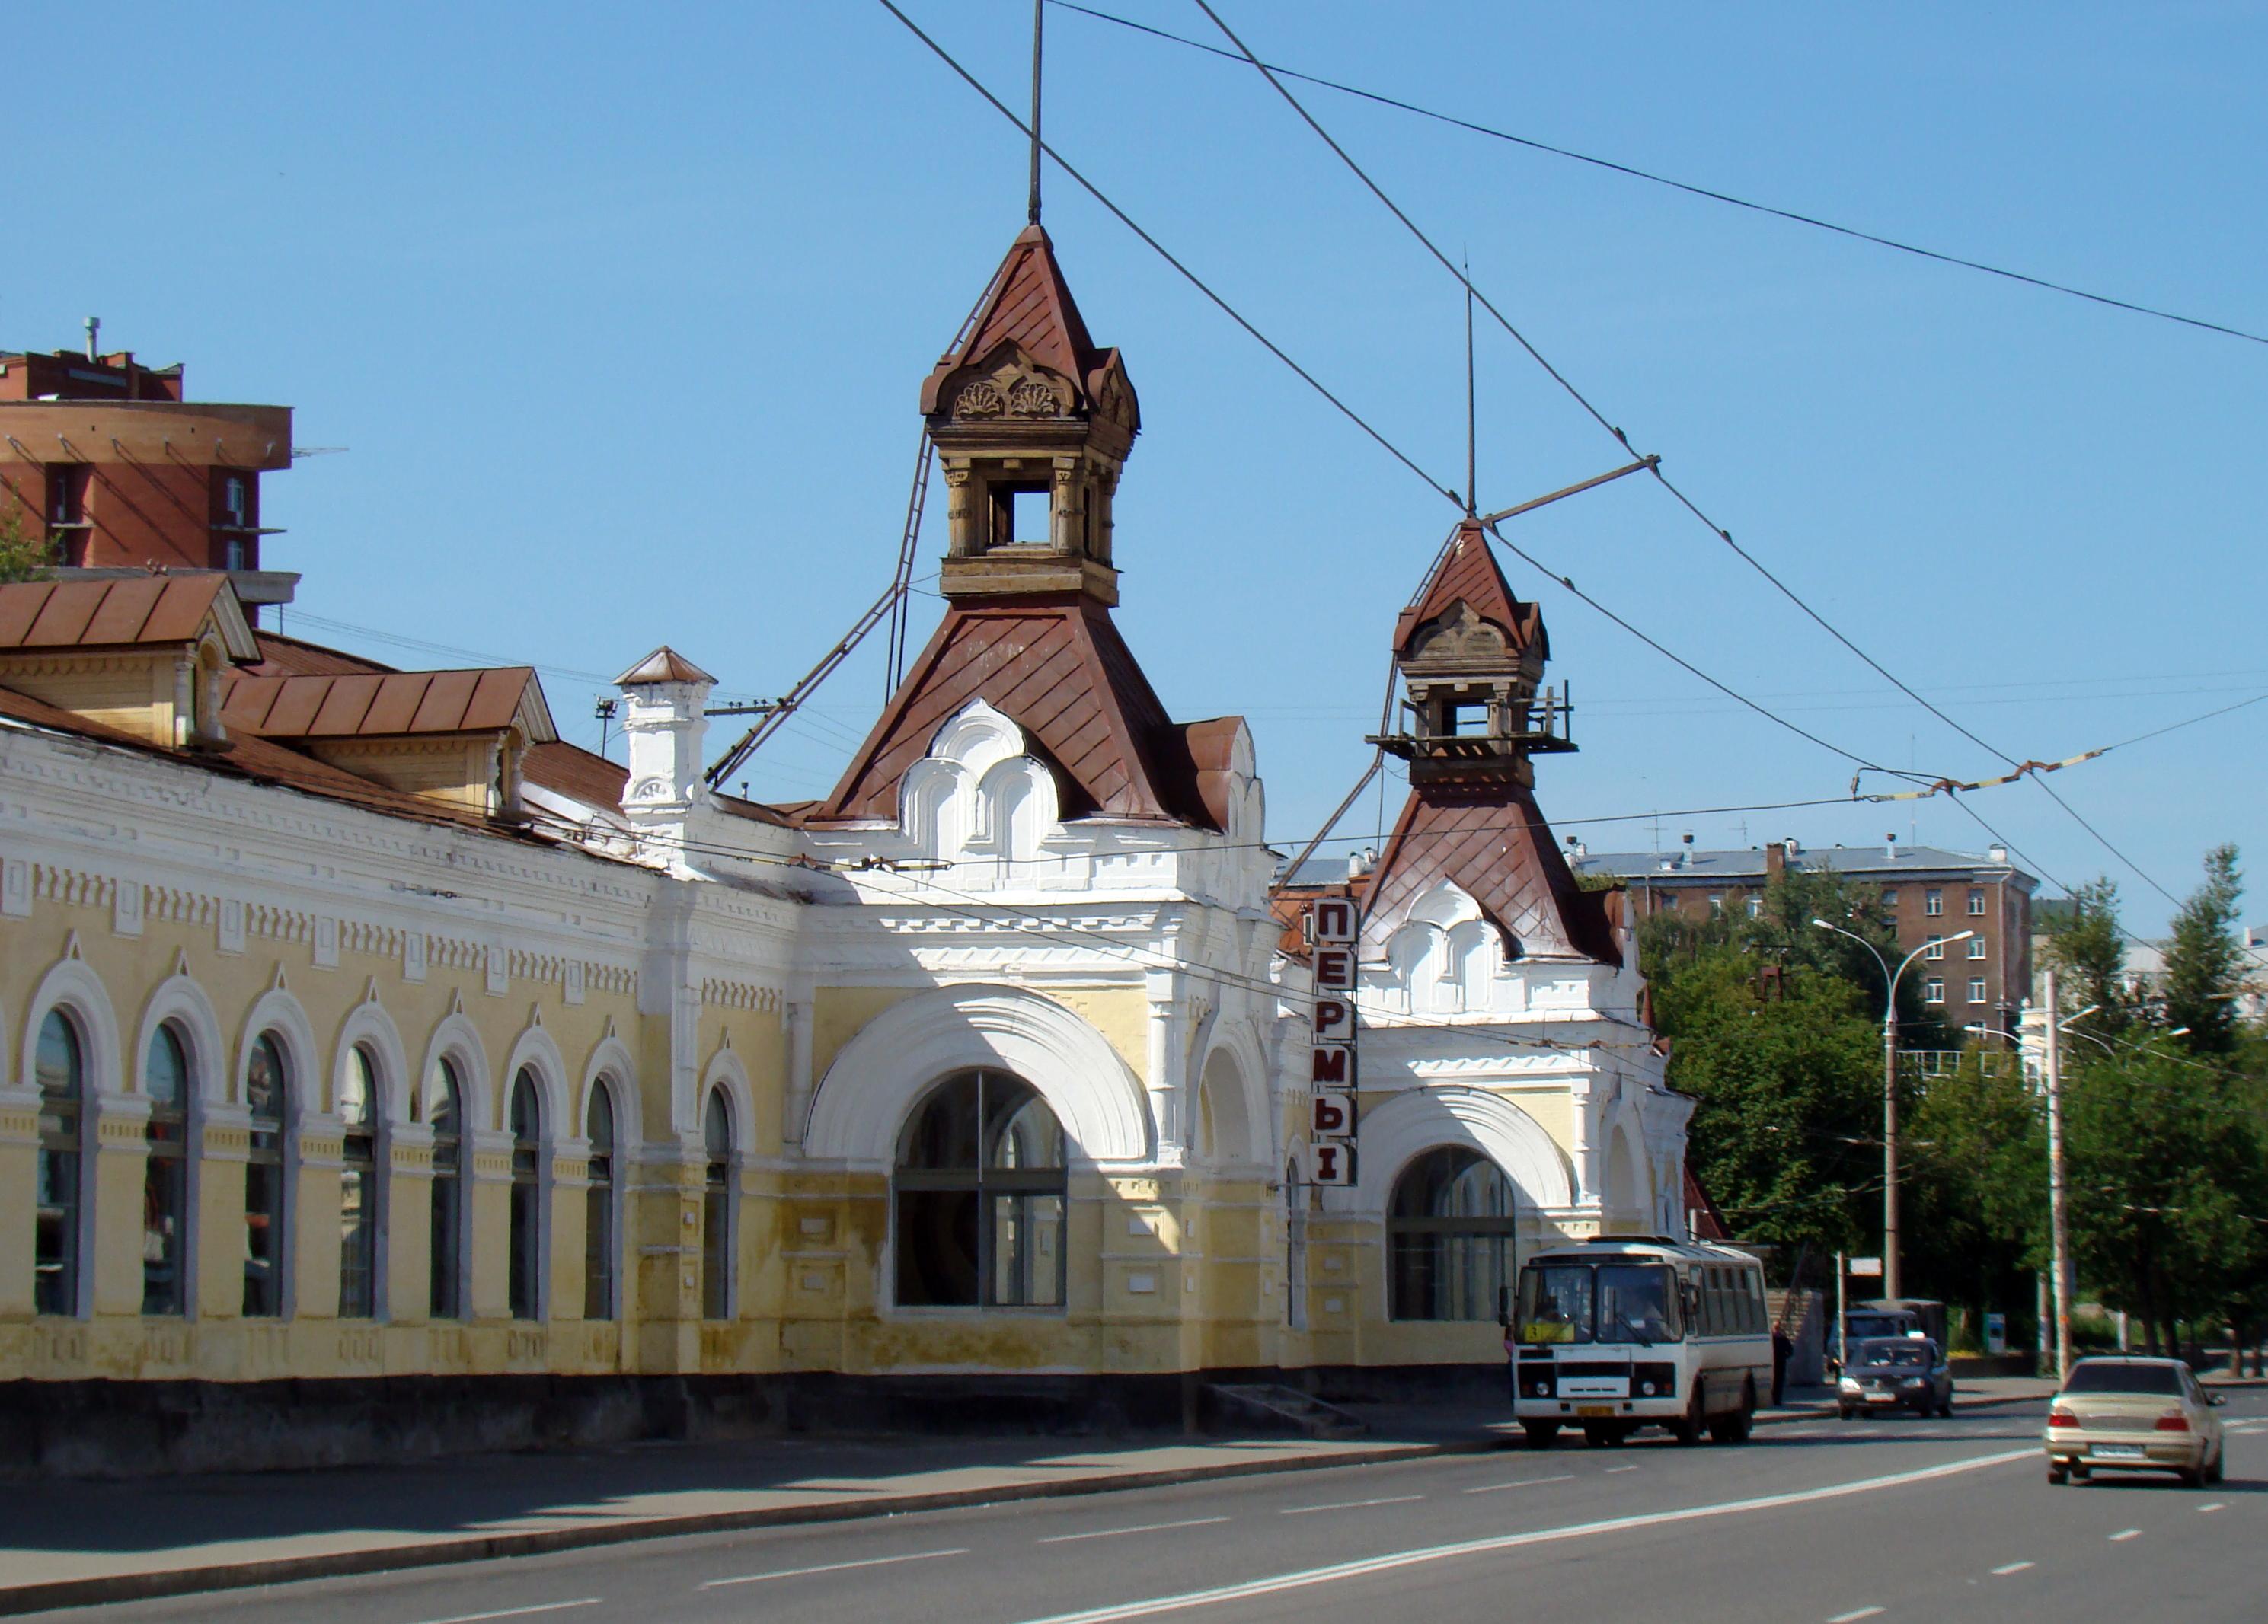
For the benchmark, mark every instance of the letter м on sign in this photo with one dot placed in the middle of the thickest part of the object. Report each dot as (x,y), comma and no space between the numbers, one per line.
(1332,1066)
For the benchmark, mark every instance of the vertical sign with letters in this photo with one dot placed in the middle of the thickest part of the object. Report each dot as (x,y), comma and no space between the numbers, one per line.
(1332,1079)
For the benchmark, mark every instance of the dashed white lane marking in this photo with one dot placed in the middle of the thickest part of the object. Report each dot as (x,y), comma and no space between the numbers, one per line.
(1521,1482)
(520,1612)
(797,1573)
(2003,1571)
(2214,1505)
(1301,1578)
(2125,1533)
(1853,1617)
(1112,1533)
(1612,1469)
(1347,1505)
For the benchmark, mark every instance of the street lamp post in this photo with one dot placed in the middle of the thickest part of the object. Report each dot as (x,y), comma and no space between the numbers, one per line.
(1892,1275)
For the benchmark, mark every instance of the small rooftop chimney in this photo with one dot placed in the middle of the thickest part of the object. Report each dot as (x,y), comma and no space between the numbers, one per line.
(93,327)
(1890,846)
(1998,853)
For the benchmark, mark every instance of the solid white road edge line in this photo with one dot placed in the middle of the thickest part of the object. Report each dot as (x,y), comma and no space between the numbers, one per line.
(797,1573)
(2004,1571)
(1854,1615)
(520,1612)
(2214,1505)
(1524,1482)
(1306,1576)
(1112,1533)
(1347,1505)
(2125,1533)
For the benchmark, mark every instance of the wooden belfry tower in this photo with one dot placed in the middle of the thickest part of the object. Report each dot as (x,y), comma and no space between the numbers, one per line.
(1471,657)
(1027,413)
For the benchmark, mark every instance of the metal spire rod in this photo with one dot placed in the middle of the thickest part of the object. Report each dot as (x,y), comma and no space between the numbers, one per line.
(1039,14)
(1472,427)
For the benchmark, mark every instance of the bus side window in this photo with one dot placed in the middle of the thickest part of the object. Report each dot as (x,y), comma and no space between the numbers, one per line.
(1759,1310)
(1713,1310)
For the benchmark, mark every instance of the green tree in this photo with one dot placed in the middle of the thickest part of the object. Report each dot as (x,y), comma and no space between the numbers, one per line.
(21,557)
(2205,966)
(2168,1173)
(1977,1194)
(2088,948)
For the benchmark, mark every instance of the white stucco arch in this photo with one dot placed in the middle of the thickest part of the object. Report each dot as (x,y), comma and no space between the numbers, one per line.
(1411,1123)
(534,1050)
(182,1001)
(458,1039)
(368,1026)
(1628,1191)
(1233,1080)
(725,1071)
(277,1012)
(875,1079)
(72,985)
(610,1062)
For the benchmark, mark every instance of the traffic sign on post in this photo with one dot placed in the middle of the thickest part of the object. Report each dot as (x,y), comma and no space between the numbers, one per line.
(1867,1265)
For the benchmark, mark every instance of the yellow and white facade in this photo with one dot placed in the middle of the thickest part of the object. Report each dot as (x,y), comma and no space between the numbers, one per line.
(597,1096)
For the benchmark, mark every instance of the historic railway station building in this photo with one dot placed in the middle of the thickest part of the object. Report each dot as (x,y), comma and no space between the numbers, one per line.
(379,1073)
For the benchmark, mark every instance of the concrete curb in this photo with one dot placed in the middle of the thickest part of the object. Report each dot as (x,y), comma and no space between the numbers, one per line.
(99,1590)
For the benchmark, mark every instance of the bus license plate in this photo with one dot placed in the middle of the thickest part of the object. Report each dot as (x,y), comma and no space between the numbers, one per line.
(1594,1409)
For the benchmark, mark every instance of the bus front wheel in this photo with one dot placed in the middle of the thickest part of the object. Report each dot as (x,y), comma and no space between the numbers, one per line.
(1687,1428)
(1541,1434)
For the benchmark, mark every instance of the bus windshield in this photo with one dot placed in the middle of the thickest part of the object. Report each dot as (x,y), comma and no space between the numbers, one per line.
(1606,1303)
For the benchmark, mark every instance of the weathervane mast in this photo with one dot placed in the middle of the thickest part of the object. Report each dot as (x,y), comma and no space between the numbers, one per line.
(1472,479)
(1039,12)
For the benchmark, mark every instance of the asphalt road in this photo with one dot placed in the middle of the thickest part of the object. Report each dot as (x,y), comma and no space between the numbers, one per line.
(1823,1523)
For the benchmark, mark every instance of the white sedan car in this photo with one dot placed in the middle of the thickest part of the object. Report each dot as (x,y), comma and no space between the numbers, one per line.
(2124,1414)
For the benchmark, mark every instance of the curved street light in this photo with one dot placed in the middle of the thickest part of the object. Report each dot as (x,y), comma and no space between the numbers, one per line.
(1892,1275)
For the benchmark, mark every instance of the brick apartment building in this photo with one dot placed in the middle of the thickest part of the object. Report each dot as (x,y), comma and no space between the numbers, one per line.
(1930,892)
(102,457)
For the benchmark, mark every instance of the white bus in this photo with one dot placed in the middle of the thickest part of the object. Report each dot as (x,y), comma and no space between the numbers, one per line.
(1623,1332)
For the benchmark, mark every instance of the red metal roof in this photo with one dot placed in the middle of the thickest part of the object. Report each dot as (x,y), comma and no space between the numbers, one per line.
(664,664)
(388,704)
(125,612)
(1056,665)
(1490,840)
(1468,572)
(1028,303)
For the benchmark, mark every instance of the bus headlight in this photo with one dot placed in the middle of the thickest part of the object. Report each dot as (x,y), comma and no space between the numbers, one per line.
(1540,1389)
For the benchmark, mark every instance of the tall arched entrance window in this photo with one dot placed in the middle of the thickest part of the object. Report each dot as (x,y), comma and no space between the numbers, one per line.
(1450,1231)
(525,1280)
(60,1067)
(716,1209)
(598,1207)
(165,1175)
(979,1198)
(444,1110)
(267,1097)
(358,1187)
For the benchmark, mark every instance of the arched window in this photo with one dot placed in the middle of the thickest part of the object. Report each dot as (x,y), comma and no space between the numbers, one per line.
(359,1186)
(61,1069)
(980,1198)
(598,1208)
(444,1110)
(164,1176)
(267,1095)
(524,1289)
(1450,1231)
(716,1209)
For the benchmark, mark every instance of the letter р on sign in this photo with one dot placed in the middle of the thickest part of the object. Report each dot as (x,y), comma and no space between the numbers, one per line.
(1331,1163)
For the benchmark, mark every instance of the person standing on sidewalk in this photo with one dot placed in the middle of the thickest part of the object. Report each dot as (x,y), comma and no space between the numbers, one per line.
(1783,1350)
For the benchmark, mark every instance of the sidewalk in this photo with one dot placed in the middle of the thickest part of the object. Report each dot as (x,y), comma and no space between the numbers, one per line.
(82,1542)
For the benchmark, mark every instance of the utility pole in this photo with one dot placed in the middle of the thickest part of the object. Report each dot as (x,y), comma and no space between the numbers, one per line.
(1893,1276)
(2059,1254)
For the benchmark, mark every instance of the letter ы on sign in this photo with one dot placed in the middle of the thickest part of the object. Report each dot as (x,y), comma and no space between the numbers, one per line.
(1330,1162)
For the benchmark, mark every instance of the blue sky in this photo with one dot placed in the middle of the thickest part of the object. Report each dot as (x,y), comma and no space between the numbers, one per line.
(621,313)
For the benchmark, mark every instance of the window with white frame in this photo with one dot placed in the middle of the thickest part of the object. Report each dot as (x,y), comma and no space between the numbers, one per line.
(1976,902)
(1932,991)
(1889,897)
(1976,947)
(444,1110)
(165,1175)
(1717,907)
(1933,901)
(1936,948)
(358,1186)
(267,1201)
(1976,990)
(1756,907)
(598,1207)
(980,1198)
(59,1068)
(524,1265)
(716,1209)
